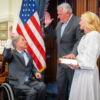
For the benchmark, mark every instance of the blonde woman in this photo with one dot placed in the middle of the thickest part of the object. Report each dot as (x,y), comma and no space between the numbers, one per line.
(85,85)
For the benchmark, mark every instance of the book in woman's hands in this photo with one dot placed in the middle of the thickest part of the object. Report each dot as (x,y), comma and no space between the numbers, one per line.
(67,61)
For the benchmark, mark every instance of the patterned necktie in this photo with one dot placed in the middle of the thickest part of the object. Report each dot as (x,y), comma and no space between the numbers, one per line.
(26,79)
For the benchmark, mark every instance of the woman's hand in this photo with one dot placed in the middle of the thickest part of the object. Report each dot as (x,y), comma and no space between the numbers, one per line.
(72,66)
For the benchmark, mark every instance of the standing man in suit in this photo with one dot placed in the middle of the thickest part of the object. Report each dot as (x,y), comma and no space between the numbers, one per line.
(20,67)
(68,35)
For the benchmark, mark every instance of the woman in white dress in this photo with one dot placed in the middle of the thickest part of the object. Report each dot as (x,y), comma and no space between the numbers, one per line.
(85,85)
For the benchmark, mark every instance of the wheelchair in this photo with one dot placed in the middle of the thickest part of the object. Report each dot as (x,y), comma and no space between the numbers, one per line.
(9,92)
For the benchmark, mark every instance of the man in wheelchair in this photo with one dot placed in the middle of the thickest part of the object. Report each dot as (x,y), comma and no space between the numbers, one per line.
(21,68)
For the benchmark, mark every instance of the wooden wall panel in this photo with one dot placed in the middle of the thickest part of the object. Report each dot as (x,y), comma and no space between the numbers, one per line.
(92,5)
(98,9)
(48,73)
(99,12)
(55,61)
(86,5)
(48,41)
(81,7)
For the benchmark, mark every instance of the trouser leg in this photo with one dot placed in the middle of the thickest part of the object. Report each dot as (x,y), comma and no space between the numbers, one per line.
(62,83)
(34,90)
(69,75)
(30,92)
(42,92)
(64,80)
(40,87)
(32,95)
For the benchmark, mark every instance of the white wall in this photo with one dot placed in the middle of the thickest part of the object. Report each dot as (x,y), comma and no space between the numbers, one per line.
(9,11)
(16,10)
(4,5)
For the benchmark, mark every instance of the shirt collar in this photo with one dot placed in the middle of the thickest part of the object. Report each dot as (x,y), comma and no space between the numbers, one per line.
(69,19)
(20,51)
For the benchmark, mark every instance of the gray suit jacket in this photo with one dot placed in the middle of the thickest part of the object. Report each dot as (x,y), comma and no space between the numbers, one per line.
(67,44)
(16,66)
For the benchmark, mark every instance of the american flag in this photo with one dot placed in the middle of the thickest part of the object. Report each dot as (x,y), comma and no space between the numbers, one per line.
(29,27)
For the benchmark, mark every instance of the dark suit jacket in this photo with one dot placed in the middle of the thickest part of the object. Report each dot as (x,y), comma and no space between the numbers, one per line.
(67,44)
(16,66)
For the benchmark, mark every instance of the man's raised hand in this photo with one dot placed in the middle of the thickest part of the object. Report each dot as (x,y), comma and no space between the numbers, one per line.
(48,19)
(11,35)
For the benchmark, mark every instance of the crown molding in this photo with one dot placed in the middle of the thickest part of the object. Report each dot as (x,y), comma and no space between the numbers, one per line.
(6,17)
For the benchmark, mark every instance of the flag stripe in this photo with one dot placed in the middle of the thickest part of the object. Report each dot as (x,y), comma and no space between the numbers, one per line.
(36,25)
(29,27)
(37,17)
(33,38)
(37,62)
(35,32)
(33,47)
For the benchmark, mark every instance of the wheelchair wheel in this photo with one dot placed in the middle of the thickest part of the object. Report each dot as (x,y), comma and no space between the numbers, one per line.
(4,93)
(7,92)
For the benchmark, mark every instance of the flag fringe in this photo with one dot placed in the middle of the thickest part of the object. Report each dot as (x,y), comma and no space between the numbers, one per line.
(45,10)
(42,69)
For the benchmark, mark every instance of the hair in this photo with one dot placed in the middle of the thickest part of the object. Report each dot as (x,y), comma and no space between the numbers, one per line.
(65,6)
(14,40)
(92,21)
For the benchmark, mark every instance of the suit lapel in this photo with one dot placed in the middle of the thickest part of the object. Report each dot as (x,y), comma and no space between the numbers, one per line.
(19,56)
(59,32)
(68,26)
(27,56)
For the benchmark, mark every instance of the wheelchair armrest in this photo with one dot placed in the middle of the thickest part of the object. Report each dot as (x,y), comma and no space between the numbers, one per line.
(10,78)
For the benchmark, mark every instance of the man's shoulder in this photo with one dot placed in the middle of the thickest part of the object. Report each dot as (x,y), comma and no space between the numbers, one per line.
(13,51)
(76,18)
